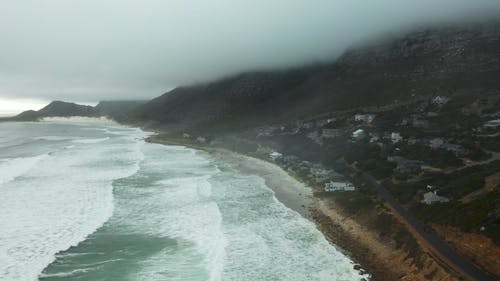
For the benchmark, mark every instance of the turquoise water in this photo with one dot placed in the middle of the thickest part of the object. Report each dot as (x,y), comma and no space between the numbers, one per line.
(93,201)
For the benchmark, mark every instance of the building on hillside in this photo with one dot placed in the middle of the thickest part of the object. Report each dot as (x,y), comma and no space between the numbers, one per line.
(201,139)
(492,124)
(333,186)
(440,100)
(367,118)
(431,197)
(396,137)
(359,134)
(275,155)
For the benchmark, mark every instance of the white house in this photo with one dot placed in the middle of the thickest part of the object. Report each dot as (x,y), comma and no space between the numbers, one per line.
(367,118)
(358,134)
(440,100)
(275,155)
(201,139)
(333,186)
(492,124)
(396,137)
(431,197)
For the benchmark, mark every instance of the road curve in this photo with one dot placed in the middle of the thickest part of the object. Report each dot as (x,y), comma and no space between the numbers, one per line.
(435,244)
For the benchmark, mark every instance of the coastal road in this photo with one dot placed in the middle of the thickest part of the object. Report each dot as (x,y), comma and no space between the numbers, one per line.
(437,247)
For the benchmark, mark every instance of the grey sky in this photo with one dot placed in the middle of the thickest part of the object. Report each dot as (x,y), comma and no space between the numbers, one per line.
(117,49)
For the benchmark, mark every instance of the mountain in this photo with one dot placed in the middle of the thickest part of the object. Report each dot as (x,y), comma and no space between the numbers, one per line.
(118,110)
(423,63)
(411,121)
(59,109)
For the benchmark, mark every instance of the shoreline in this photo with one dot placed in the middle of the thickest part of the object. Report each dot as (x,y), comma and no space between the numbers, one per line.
(298,198)
(296,195)
(288,190)
(373,248)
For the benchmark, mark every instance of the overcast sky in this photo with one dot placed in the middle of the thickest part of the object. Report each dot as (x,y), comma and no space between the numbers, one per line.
(91,50)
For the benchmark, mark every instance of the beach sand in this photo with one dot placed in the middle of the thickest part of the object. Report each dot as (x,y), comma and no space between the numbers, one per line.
(289,191)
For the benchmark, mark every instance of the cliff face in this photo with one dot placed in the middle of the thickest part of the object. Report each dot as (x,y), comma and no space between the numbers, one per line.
(423,63)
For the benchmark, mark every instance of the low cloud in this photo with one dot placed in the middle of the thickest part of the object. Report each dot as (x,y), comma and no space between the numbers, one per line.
(122,49)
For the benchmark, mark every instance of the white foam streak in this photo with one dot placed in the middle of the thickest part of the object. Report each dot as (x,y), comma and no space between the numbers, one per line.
(78,119)
(91,140)
(15,167)
(59,201)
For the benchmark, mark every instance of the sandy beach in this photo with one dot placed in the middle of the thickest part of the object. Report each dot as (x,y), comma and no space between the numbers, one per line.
(289,191)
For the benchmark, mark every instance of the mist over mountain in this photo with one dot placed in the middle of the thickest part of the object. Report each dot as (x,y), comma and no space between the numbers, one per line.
(115,50)
(433,61)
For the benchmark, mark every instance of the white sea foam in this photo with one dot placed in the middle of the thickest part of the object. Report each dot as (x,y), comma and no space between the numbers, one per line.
(15,167)
(78,119)
(69,273)
(181,207)
(58,202)
(218,224)
(55,138)
(91,140)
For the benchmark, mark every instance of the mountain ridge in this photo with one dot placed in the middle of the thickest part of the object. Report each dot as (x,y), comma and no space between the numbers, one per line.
(423,63)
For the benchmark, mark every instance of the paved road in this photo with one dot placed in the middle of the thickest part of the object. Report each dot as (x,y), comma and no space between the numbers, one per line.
(436,245)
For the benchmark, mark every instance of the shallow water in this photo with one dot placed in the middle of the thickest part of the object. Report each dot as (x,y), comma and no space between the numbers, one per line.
(93,201)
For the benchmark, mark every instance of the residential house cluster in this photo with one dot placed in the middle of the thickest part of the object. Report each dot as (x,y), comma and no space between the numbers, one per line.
(366,118)
(334,186)
(492,124)
(432,197)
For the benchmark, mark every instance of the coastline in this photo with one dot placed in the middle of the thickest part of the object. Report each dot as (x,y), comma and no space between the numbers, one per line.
(297,196)
(289,191)
(357,236)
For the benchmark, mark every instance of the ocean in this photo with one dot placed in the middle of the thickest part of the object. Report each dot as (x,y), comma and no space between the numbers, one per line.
(88,199)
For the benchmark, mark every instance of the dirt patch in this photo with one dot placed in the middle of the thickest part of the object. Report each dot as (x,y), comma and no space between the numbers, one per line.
(491,183)
(382,253)
(478,248)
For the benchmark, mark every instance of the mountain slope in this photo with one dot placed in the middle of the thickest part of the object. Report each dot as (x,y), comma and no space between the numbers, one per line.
(423,63)
(59,109)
